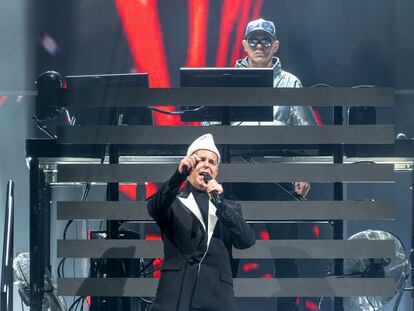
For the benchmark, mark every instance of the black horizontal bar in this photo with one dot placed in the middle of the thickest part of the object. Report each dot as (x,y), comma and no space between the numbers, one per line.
(228,135)
(225,96)
(317,210)
(284,287)
(252,210)
(259,172)
(49,148)
(309,249)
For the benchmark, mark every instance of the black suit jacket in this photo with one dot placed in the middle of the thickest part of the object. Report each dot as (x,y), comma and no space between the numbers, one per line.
(196,274)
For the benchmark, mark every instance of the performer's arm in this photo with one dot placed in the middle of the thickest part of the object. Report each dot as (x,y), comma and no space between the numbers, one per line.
(230,215)
(159,203)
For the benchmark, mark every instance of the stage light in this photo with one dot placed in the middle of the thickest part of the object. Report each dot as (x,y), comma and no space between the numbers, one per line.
(47,86)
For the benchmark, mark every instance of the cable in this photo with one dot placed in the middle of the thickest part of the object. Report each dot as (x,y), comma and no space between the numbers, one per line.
(83,198)
(292,193)
(322,85)
(43,128)
(149,272)
(174,113)
(75,302)
(363,162)
(61,266)
(363,86)
(145,268)
(145,300)
(69,119)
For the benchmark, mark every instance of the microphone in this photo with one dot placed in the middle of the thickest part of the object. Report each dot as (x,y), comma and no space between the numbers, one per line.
(215,197)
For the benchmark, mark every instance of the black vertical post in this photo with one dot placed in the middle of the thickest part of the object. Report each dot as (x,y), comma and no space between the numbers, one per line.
(36,239)
(338,154)
(112,266)
(46,197)
(112,229)
(225,121)
(113,194)
(226,158)
(412,231)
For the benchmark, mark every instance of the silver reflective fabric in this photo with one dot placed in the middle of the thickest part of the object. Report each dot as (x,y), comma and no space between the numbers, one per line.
(285,115)
(21,273)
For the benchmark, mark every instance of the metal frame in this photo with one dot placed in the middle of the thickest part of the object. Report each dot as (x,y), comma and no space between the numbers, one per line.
(228,137)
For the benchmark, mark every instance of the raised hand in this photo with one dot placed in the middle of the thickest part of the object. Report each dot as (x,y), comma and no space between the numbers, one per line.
(188,164)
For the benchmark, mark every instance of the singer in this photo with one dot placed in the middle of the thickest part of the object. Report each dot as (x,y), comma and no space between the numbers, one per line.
(199,229)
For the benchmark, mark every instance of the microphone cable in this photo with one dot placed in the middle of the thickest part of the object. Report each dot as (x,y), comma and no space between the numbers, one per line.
(290,192)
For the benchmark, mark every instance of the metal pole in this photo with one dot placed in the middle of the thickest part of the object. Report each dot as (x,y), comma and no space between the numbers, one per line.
(8,250)
(412,234)
(36,239)
(338,154)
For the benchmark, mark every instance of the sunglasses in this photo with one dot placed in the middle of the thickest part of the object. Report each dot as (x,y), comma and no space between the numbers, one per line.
(263,42)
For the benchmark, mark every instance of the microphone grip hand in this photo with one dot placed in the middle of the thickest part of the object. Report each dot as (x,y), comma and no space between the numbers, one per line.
(215,193)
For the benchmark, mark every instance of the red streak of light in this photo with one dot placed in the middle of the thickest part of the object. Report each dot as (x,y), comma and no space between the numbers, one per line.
(317,117)
(310,305)
(234,11)
(3,100)
(242,22)
(197,33)
(157,265)
(256,9)
(156,274)
(142,26)
(183,185)
(264,235)
(150,189)
(267,276)
(129,190)
(152,237)
(229,15)
(143,31)
(316,231)
(297,301)
(157,262)
(250,266)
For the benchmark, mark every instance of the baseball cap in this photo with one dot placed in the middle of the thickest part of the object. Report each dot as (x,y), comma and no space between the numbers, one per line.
(261,25)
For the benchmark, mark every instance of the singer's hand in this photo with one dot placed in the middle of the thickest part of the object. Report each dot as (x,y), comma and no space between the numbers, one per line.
(302,188)
(188,164)
(213,185)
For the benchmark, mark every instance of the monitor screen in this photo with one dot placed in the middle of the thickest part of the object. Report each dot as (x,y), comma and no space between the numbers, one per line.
(107,80)
(108,116)
(228,77)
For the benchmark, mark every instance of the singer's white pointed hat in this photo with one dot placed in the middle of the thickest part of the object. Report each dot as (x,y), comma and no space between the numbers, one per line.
(205,142)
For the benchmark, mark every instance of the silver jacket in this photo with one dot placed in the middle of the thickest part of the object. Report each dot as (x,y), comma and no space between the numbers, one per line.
(285,115)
